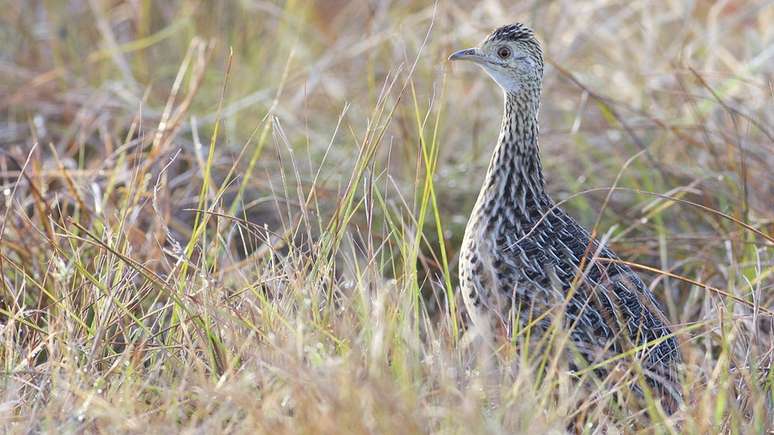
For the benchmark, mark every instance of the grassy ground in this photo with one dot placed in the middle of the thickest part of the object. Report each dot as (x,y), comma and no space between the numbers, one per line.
(244,216)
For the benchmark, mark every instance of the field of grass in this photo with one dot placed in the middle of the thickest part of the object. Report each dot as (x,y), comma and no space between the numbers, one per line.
(244,216)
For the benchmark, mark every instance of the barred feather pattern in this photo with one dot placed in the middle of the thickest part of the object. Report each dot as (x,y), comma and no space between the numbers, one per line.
(522,256)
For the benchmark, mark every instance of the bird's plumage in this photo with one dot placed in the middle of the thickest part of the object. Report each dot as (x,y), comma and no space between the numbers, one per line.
(523,256)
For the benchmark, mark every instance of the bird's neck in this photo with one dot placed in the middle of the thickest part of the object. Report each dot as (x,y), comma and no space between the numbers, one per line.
(514,179)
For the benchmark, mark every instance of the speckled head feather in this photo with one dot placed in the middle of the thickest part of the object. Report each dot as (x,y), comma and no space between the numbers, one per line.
(521,35)
(512,56)
(512,32)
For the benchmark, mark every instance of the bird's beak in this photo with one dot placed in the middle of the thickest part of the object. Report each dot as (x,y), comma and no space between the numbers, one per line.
(471,54)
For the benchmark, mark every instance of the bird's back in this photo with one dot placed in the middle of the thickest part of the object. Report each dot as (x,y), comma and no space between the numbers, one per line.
(520,265)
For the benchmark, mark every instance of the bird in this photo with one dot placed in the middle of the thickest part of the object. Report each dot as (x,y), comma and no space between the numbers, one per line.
(523,256)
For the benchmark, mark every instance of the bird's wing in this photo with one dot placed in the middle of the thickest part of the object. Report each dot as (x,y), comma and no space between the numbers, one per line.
(607,305)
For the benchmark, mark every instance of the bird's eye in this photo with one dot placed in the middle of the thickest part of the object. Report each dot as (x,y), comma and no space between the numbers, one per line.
(504,52)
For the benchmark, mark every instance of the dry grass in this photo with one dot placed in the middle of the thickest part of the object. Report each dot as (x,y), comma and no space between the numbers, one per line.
(266,241)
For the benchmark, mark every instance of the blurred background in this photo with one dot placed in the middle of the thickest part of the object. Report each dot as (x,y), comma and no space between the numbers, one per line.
(290,110)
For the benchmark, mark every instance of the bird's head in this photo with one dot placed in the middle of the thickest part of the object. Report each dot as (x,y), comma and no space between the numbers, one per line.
(511,56)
